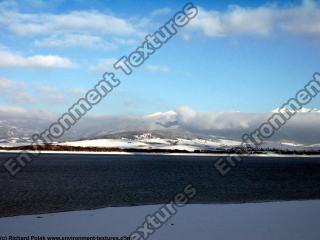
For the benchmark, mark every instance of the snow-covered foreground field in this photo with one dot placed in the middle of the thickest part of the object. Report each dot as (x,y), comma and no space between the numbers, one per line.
(273,220)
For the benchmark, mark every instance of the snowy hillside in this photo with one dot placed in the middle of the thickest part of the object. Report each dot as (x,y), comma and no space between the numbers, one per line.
(148,141)
(182,129)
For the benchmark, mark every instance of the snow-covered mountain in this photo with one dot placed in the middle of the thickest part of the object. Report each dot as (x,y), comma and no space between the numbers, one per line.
(156,140)
(134,140)
(180,129)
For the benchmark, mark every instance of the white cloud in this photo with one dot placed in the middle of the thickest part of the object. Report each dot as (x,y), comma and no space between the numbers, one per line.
(259,21)
(103,65)
(73,22)
(303,127)
(157,68)
(6,83)
(77,91)
(22,96)
(74,40)
(9,59)
(161,12)
(20,113)
(304,20)
(55,98)
(19,93)
(87,28)
(238,121)
(302,110)
(71,29)
(15,91)
(50,93)
(235,21)
(205,121)
(247,21)
(47,89)
(84,41)
(208,22)
(125,41)
(13,109)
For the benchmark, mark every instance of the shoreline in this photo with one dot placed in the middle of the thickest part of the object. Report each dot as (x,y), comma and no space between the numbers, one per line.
(115,206)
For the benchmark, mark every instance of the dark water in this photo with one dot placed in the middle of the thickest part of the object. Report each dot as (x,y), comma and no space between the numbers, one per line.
(71,182)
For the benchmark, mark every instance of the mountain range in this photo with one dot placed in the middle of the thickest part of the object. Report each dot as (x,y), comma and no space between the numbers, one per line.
(183,128)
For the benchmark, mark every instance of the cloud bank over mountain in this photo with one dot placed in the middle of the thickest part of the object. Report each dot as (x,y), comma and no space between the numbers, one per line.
(302,128)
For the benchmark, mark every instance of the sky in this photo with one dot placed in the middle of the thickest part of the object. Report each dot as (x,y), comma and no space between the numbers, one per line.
(246,56)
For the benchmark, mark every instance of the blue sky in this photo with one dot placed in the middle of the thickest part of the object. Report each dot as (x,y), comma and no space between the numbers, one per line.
(248,56)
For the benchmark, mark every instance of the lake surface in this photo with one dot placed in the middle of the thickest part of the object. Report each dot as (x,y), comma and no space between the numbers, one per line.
(62,182)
